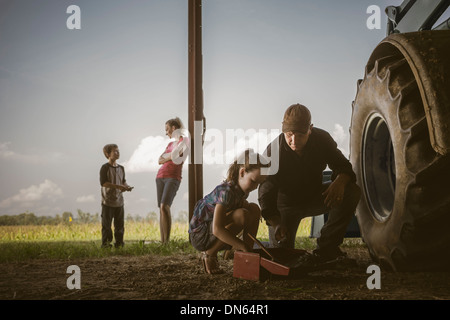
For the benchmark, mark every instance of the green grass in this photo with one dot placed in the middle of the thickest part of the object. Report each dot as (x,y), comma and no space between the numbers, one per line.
(70,241)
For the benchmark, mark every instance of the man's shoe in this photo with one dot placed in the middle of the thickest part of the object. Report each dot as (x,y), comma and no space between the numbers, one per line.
(334,256)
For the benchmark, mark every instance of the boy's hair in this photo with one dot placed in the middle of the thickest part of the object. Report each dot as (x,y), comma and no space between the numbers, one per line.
(175,122)
(249,160)
(108,148)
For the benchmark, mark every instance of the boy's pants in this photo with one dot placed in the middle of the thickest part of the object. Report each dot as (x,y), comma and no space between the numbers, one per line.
(108,214)
(333,232)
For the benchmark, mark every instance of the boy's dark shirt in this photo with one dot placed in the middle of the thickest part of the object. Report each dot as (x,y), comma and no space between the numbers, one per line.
(299,179)
(112,197)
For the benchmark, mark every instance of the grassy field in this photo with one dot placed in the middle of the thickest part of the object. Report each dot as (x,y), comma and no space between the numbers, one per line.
(78,240)
(83,240)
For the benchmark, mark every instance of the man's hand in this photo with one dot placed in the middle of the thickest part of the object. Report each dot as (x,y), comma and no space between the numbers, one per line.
(281,233)
(280,229)
(335,191)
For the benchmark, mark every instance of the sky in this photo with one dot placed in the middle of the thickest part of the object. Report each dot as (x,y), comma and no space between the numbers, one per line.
(65,93)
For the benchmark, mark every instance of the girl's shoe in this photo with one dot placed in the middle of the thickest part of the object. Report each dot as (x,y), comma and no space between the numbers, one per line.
(210,264)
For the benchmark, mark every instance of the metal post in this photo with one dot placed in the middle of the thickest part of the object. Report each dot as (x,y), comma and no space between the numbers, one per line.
(195,100)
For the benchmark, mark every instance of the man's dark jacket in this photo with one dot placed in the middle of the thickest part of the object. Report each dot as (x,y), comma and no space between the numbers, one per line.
(299,179)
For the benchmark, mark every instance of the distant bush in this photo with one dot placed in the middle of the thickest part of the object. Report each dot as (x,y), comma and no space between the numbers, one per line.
(29,218)
(86,217)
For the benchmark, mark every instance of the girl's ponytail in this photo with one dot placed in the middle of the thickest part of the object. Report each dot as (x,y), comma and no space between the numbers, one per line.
(233,172)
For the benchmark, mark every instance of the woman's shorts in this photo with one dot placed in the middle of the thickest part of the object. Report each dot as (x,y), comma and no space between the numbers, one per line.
(166,189)
(204,239)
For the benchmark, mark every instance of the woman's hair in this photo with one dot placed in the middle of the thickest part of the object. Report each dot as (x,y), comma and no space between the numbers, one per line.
(108,148)
(249,160)
(175,122)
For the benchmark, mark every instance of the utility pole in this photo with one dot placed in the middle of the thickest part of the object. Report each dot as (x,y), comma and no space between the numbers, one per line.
(195,101)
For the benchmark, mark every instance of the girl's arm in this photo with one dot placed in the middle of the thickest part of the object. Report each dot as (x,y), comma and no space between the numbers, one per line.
(179,154)
(220,220)
(164,158)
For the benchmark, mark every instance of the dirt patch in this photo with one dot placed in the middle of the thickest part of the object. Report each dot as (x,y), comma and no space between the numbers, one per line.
(180,277)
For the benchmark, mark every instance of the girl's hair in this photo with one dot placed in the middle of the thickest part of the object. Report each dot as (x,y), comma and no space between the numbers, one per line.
(175,122)
(108,148)
(249,160)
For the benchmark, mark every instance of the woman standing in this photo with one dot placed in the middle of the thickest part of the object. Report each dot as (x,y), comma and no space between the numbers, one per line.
(168,178)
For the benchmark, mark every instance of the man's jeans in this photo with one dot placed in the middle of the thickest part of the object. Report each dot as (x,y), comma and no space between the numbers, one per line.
(332,233)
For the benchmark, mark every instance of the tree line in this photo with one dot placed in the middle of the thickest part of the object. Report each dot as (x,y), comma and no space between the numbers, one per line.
(29,218)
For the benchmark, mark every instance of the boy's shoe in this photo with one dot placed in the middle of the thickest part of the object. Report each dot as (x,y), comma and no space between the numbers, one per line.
(106,246)
(119,245)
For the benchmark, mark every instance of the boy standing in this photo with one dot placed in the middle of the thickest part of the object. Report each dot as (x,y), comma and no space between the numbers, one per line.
(113,182)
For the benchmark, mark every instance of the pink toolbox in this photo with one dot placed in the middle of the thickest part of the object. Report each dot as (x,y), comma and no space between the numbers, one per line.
(258,265)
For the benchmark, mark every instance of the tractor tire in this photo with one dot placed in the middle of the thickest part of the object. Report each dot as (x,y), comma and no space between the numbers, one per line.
(404,212)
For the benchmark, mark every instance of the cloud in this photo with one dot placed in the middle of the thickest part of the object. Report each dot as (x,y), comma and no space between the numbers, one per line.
(86,199)
(46,190)
(145,157)
(341,138)
(219,148)
(7,154)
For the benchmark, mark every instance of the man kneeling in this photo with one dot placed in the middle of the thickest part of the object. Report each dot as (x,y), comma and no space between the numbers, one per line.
(296,191)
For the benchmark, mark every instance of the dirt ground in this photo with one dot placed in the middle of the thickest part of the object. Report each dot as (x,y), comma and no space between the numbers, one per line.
(180,277)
